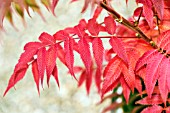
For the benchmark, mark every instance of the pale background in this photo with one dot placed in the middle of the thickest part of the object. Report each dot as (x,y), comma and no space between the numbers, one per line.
(67,99)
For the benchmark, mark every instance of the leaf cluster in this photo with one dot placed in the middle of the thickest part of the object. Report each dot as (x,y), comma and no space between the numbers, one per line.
(137,60)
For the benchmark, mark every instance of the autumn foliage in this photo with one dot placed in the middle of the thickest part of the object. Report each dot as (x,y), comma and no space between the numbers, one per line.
(138,57)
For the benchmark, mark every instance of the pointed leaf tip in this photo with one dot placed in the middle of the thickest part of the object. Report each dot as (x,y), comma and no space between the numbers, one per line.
(36,74)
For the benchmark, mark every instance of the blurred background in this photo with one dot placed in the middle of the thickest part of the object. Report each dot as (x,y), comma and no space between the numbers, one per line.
(69,98)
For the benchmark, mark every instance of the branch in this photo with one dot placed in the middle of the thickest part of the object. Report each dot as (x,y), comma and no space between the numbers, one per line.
(126,23)
(114,36)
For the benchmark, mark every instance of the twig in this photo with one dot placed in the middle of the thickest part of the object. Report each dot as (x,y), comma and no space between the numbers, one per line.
(126,23)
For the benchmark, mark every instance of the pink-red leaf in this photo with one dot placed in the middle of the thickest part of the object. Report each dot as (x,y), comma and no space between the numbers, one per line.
(164,40)
(110,25)
(153,109)
(60,35)
(27,56)
(51,56)
(111,74)
(54,4)
(93,27)
(61,54)
(118,47)
(36,74)
(55,75)
(163,73)
(126,89)
(32,45)
(155,99)
(138,85)
(85,54)
(82,78)
(18,74)
(69,56)
(145,58)
(147,11)
(88,82)
(129,77)
(97,12)
(159,6)
(152,73)
(98,51)
(167,75)
(41,62)
(80,30)
(98,79)
(45,38)
(86,3)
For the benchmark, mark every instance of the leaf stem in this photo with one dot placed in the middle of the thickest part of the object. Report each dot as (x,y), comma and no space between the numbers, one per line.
(126,23)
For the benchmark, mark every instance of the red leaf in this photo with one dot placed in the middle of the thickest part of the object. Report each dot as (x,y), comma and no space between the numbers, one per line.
(55,75)
(138,85)
(41,62)
(36,74)
(153,100)
(80,30)
(167,109)
(97,12)
(137,11)
(152,73)
(21,67)
(32,45)
(118,47)
(126,89)
(153,109)
(129,77)
(84,50)
(45,38)
(82,24)
(54,3)
(61,54)
(162,80)
(111,74)
(18,74)
(98,78)
(86,3)
(69,56)
(147,11)
(4,6)
(60,35)
(27,56)
(110,25)
(164,40)
(98,51)
(50,61)
(85,54)
(82,78)
(108,54)
(93,27)
(88,82)
(159,6)
(167,75)
(145,58)
(77,69)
